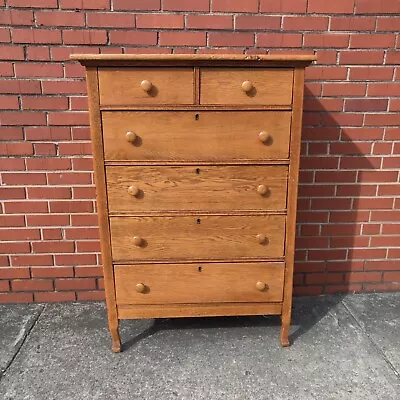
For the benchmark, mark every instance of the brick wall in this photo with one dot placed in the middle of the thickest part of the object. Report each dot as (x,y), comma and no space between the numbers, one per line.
(349,206)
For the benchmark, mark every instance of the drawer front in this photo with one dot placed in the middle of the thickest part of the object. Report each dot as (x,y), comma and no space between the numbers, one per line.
(195,283)
(142,86)
(246,86)
(211,188)
(202,135)
(197,237)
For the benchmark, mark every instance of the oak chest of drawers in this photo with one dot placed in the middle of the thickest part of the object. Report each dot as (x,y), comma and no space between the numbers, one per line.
(196,164)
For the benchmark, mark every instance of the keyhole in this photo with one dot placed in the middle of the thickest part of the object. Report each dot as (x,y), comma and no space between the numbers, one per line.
(198,220)
(196,117)
(197,171)
(199,268)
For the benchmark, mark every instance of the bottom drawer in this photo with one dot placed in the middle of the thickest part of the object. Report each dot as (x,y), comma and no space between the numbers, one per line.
(199,283)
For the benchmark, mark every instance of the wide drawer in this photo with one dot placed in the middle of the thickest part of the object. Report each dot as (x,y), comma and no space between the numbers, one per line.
(197,237)
(258,86)
(199,283)
(201,135)
(211,188)
(146,86)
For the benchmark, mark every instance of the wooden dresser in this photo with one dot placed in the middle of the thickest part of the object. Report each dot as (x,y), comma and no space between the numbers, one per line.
(196,163)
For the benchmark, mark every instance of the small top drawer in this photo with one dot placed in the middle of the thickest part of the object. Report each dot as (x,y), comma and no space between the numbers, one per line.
(145,86)
(260,86)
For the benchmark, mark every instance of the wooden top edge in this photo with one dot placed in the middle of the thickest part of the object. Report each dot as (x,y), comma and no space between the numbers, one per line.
(125,59)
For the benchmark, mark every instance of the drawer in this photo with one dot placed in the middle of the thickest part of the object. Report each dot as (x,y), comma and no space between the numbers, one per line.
(211,188)
(194,283)
(257,86)
(146,86)
(202,135)
(197,237)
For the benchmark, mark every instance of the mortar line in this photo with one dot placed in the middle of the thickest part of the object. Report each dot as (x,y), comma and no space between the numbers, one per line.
(376,346)
(22,341)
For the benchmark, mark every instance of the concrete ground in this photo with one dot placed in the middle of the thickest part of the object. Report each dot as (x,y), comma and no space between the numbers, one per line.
(344,347)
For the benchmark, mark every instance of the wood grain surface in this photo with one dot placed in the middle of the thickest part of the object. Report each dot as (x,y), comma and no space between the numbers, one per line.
(205,187)
(202,135)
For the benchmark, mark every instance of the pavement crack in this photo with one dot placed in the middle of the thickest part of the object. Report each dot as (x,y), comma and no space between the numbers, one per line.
(376,346)
(21,339)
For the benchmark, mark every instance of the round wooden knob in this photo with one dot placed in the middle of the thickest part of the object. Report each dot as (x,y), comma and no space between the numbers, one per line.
(146,85)
(261,286)
(261,238)
(140,288)
(131,136)
(133,190)
(262,189)
(247,86)
(264,136)
(137,240)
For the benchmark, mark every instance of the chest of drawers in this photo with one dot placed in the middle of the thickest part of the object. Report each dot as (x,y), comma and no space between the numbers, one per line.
(196,163)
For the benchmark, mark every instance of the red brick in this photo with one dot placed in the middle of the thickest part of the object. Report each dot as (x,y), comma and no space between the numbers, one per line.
(63,87)
(366,105)
(385,265)
(75,284)
(52,233)
(382,119)
(349,241)
(84,37)
(252,22)
(82,164)
(160,21)
(321,162)
(336,40)
(348,216)
(394,105)
(368,41)
(19,86)
(12,53)
(74,71)
(84,192)
(44,103)
(16,149)
(6,69)
(33,3)
(48,164)
(317,133)
(5,36)
(377,176)
(371,229)
(88,247)
(16,17)
(393,57)
(344,266)
(70,207)
(361,57)
(384,89)
(137,5)
(47,133)
(381,148)
(362,134)
(279,40)
(184,5)
(341,119)
(90,295)
(304,23)
(331,204)
(371,73)
(360,162)
(14,273)
(315,266)
(49,193)
(50,297)
(37,36)
(312,279)
(68,178)
(362,254)
(314,104)
(19,118)
(12,220)
(316,190)
(389,190)
(374,7)
(81,233)
(12,164)
(391,277)
(231,39)
(235,6)
(19,234)
(31,285)
(4,286)
(133,37)
(356,23)
(327,254)
(47,220)
(68,118)
(63,53)
(212,22)
(75,259)
(330,7)
(318,148)
(11,133)
(14,247)
(85,4)
(25,207)
(307,290)
(312,243)
(326,57)
(38,53)
(53,247)
(283,6)
(60,18)
(16,297)
(31,260)
(385,241)
(374,287)
(344,89)
(9,103)
(88,271)
(388,24)
(27,70)
(84,220)
(183,38)
(4,261)
(48,149)
(24,179)
(335,176)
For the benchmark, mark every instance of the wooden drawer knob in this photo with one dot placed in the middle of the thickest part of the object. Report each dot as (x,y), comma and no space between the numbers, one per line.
(262,189)
(264,136)
(146,85)
(261,286)
(261,238)
(137,241)
(131,137)
(140,288)
(247,86)
(133,191)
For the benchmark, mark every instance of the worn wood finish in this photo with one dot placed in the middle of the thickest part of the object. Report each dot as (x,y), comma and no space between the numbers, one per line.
(222,135)
(193,237)
(298,92)
(196,188)
(197,310)
(130,86)
(196,166)
(102,207)
(246,86)
(207,283)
